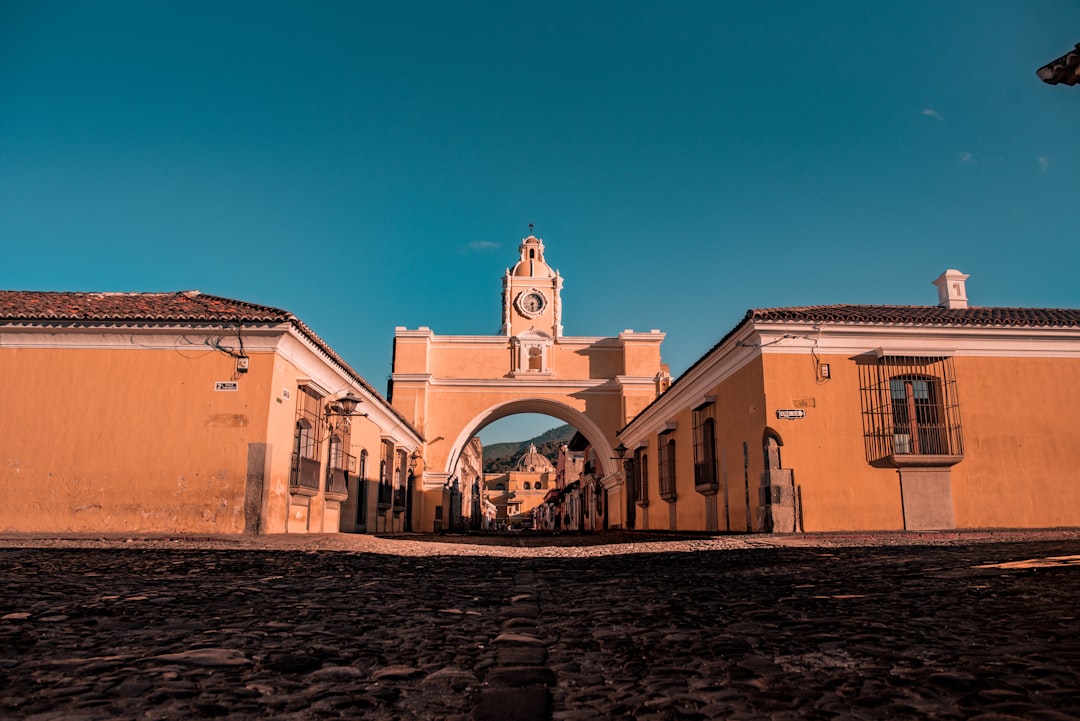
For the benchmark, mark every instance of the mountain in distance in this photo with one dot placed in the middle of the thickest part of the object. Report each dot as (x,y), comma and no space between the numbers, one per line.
(503,457)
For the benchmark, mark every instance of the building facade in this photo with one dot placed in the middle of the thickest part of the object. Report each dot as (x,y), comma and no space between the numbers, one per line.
(449,387)
(849,417)
(186,412)
(516,493)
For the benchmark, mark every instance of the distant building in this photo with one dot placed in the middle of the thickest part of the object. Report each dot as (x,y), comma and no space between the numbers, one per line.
(861,417)
(517,493)
(186,412)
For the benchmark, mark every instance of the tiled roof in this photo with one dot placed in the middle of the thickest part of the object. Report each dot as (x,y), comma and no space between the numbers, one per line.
(919,315)
(893,315)
(189,306)
(186,306)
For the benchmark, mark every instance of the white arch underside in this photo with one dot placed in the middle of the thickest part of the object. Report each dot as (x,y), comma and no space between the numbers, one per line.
(544,406)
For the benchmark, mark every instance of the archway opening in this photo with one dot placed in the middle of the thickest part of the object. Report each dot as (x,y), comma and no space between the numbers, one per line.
(533,464)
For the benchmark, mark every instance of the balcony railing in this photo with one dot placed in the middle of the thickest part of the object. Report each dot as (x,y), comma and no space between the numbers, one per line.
(305,474)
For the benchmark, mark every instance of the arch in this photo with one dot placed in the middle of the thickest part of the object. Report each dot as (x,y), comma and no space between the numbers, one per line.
(545,406)
(771,442)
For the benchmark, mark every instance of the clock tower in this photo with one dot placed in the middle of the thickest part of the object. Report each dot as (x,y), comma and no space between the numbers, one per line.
(531,294)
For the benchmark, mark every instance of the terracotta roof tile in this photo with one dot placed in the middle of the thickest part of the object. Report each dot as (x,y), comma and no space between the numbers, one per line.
(894,315)
(146,307)
(920,315)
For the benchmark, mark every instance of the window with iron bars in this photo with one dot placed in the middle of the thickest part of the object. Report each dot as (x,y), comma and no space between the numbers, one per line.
(705,448)
(666,447)
(305,461)
(639,468)
(400,482)
(337,472)
(911,410)
(386,477)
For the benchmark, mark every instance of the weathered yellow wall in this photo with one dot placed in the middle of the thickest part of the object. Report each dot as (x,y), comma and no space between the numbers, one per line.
(1020,450)
(840,490)
(127,440)
(1021,456)
(443,411)
(740,417)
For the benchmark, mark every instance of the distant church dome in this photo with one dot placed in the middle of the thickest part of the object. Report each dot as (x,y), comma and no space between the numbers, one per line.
(532,260)
(533,462)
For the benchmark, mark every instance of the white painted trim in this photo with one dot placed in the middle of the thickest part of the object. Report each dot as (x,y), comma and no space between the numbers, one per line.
(921,340)
(755,340)
(525,379)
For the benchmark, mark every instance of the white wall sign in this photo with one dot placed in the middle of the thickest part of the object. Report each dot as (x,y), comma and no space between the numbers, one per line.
(226,386)
(790,414)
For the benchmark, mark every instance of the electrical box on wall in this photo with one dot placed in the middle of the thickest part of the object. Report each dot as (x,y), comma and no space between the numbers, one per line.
(242,364)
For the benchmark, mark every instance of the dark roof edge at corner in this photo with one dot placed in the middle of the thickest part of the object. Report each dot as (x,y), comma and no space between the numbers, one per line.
(869,315)
(305,330)
(747,317)
(57,307)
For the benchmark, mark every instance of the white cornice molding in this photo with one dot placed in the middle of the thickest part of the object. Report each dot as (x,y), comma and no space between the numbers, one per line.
(636,382)
(420,333)
(114,337)
(715,367)
(652,336)
(755,340)
(796,338)
(485,385)
(503,340)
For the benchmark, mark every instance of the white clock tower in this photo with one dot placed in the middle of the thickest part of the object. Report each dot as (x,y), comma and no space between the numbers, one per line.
(531,294)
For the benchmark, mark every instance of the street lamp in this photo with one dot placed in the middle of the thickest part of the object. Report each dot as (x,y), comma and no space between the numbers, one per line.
(343,408)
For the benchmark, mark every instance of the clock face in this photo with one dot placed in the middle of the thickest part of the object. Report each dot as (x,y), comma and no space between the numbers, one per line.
(531,303)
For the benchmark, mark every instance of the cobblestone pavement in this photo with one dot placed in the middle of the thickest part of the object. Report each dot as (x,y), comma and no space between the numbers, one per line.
(953,626)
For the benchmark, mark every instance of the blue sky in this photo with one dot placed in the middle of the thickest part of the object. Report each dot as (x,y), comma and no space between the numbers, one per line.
(369,165)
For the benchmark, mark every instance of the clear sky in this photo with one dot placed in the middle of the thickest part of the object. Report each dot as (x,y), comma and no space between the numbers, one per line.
(369,165)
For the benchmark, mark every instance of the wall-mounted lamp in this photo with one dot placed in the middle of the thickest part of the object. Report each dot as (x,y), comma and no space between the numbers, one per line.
(620,451)
(342,408)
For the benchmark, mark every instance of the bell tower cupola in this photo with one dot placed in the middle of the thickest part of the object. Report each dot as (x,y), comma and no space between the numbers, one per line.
(532,292)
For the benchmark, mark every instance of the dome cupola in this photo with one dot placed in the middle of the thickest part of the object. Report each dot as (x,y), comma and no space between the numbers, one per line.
(532,263)
(534,462)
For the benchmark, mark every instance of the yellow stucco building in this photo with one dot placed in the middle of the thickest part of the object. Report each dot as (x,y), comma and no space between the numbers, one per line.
(853,417)
(190,413)
(516,493)
(449,387)
(185,412)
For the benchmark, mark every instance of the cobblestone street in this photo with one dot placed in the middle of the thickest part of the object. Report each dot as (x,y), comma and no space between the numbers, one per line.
(732,628)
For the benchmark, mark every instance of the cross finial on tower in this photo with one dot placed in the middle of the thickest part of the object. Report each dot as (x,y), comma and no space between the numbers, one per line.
(530,228)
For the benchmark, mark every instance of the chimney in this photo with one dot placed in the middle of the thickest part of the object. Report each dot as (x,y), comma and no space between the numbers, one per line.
(951,292)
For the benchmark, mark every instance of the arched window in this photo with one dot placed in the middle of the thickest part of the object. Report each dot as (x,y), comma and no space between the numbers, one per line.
(526,485)
(306,445)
